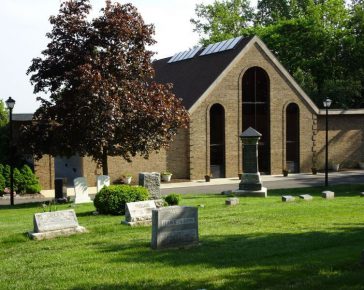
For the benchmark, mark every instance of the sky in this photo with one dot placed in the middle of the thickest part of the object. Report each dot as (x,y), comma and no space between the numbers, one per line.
(24,24)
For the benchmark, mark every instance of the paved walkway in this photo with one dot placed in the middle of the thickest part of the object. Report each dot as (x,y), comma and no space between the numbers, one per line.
(217,185)
(270,181)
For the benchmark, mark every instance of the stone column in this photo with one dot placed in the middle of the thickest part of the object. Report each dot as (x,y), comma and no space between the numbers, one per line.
(250,184)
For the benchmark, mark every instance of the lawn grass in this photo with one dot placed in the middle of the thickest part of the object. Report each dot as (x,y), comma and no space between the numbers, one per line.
(259,244)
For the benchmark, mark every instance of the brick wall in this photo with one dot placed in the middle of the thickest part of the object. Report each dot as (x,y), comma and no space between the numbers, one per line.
(346,140)
(44,170)
(174,159)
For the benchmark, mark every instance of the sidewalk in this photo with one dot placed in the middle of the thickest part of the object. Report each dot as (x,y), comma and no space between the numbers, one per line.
(264,178)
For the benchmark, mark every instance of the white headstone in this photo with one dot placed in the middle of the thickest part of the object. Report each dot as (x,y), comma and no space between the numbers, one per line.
(287,198)
(81,190)
(139,213)
(232,201)
(53,224)
(101,181)
(328,194)
(306,197)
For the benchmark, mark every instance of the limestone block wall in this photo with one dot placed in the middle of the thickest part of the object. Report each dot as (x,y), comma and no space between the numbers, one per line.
(228,93)
(346,140)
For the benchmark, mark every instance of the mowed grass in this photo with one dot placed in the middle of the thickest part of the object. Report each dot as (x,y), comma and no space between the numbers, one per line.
(259,244)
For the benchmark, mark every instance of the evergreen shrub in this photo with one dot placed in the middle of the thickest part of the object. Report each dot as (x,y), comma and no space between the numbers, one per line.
(172,199)
(112,199)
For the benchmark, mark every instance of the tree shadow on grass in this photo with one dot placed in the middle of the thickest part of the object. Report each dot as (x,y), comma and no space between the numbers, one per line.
(311,260)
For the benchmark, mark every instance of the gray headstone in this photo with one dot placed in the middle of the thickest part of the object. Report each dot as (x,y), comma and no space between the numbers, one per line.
(306,197)
(328,194)
(81,190)
(174,226)
(53,224)
(152,182)
(287,198)
(102,180)
(232,201)
(139,213)
(226,192)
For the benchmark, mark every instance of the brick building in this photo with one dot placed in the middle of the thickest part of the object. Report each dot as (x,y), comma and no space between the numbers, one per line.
(226,88)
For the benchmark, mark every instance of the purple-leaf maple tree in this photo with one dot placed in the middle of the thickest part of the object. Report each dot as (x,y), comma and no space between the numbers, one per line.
(102,97)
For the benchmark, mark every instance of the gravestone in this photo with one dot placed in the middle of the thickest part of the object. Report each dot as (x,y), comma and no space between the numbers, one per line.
(232,201)
(54,224)
(250,184)
(174,226)
(306,197)
(287,198)
(152,182)
(81,190)
(101,181)
(139,213)
(328,194)
(362,194)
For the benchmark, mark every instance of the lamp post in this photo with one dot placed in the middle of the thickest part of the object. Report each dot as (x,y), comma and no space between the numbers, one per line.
(10,103)
(327,104)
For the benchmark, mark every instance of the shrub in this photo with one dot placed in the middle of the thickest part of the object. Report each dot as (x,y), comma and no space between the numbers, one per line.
(18,181)
(112,199)
(30,183)
(6,174)
(2,184)
(172,199)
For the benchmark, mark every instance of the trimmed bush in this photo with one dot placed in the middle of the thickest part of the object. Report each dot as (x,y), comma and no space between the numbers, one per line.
(112,199)
(172,199)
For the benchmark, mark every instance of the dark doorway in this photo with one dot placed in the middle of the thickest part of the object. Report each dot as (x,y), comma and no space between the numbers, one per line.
(256,112)
(292,138)
(217,141)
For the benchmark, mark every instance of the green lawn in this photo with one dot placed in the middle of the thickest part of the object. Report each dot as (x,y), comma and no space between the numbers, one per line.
(259,244)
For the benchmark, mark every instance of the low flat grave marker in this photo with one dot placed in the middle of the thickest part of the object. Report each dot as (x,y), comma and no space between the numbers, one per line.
(139,213)
(48,225)
(287,198)
(101,181)
(232,201)
(306,197)
(174,226)
(81,190)
(327,194)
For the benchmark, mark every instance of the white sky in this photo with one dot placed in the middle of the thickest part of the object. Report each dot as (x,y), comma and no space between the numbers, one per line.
(24,23)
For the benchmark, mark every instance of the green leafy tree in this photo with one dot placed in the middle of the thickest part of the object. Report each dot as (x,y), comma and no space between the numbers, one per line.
(103,101)
(222,20)
(6,174)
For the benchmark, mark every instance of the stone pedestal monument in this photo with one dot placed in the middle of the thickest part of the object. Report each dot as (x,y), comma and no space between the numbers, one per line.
(250,184)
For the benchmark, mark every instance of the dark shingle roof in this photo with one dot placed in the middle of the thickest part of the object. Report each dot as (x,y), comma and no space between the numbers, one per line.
(22,117)
(192,77)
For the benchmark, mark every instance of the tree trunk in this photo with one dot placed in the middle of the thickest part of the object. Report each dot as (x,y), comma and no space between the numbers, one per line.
(105,169)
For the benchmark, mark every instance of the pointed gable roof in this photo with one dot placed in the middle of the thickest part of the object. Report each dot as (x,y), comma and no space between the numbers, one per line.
(192,77)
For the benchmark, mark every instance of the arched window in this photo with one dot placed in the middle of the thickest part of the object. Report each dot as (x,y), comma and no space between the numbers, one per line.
(217,140)
(292,138)
(256,112)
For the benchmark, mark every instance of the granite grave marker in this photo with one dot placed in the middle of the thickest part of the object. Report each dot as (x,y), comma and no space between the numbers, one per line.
(53,224)
(139,213)
(174,226)
(152,182)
